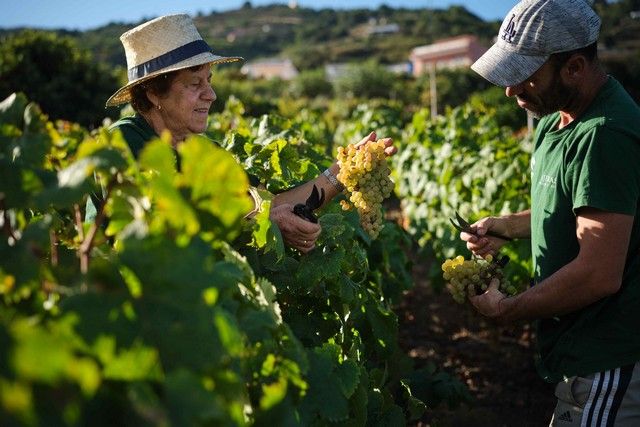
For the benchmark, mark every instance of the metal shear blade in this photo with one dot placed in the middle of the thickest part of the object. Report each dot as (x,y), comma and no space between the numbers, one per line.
(464,226)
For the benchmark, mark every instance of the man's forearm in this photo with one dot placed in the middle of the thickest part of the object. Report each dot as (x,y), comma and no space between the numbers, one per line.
(519,224)
(571,288)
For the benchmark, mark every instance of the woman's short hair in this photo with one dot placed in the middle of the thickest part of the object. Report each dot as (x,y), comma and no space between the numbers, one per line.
(159,85)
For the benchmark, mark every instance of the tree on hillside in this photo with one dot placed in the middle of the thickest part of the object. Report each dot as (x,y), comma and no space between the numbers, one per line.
(366,80)
(54,72)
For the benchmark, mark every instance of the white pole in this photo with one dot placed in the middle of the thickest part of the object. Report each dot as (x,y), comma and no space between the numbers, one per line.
(529,123)
(433,91)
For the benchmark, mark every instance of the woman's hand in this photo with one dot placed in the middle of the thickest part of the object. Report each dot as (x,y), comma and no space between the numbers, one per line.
(480,244)
(390,149)
(296,232)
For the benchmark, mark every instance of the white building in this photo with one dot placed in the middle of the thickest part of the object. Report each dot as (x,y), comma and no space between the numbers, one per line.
(270,68)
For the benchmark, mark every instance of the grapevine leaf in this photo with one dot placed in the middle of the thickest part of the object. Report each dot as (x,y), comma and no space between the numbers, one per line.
(172,208)
(158,157)
(348,374)
(101,315)
(218,183)
(58,342)
(334,227)
(317,266)
(416,406)
(263,225)
(189,403)
(77,179)
(384,327)
(132,364)
(12,109)
(325,396)
(273,393)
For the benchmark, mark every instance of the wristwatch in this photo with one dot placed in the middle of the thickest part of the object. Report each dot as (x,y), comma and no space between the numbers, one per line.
(333,180)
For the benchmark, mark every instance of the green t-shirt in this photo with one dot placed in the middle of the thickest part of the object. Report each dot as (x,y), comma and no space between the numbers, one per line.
(593,162)
(136,131)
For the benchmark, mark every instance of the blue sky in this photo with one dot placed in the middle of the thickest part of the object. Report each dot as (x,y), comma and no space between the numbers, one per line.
(86,14)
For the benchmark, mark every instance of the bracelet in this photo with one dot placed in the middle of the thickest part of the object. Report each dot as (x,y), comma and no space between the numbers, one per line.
(333,180)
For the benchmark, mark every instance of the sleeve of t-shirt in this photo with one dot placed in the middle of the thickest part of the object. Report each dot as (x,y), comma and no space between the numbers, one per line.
(605,173)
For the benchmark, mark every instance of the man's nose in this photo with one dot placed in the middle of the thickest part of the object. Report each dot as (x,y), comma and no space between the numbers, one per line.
(513,90)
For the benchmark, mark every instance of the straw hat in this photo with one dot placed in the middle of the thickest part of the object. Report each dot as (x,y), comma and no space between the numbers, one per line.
(164,44)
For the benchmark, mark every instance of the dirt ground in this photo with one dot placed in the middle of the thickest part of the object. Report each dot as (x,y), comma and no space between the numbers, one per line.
(495,363)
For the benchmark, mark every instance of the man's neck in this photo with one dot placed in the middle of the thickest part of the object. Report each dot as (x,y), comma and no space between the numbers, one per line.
(584,97)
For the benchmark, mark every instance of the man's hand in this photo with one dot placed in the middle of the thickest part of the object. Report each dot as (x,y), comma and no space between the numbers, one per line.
(389,150)
(480,244)
(296,232)
(488,304)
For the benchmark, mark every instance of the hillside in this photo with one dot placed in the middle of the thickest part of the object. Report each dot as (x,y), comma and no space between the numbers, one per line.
(312,37)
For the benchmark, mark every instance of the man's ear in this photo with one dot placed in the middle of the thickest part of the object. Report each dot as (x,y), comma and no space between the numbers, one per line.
(575,68)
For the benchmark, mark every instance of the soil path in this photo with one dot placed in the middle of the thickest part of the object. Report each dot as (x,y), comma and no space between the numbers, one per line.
(495,363)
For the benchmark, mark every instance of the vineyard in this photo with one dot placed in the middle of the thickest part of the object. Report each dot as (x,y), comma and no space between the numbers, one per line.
(171,308)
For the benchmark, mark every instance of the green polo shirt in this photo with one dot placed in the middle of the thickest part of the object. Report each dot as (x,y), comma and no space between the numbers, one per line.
(593,162)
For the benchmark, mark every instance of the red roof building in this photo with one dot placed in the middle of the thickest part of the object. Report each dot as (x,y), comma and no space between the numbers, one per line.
(461,51)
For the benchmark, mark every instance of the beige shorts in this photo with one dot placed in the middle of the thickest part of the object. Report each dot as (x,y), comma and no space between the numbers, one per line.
(609,398)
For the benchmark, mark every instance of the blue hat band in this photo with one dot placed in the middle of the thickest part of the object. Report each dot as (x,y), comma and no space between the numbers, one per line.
(168,59)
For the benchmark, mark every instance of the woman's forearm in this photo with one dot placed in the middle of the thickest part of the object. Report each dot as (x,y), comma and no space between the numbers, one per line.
(300,193)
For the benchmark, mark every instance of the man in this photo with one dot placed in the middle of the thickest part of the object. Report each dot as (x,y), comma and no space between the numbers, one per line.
(583,222)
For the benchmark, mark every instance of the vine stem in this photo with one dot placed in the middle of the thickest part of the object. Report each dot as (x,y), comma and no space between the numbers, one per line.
(88,240)
(6,223)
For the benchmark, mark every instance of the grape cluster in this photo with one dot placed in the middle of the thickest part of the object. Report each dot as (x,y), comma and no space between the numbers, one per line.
(468,278)
(365,174)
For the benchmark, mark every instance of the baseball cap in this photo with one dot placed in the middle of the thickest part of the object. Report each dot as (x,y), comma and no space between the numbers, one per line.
(531,32)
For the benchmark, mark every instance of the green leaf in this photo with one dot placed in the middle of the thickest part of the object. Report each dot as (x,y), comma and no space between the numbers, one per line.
(158,157)
(384,327)
(416,406)
(316,266)
(57,341)
(263,225)
(12,109)
(229,334)
(348,374)
(133,364)
(12,186)
(189,403)
(218,184)
(171,208)
(77,180)
(325,396)
(273,393)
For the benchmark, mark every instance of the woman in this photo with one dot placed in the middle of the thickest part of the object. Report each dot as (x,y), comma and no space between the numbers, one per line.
(169,70)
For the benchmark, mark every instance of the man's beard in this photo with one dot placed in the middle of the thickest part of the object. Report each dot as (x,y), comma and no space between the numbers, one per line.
(555,98)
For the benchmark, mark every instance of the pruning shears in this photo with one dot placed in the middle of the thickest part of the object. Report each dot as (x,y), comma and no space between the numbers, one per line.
(313,202)
(463,225)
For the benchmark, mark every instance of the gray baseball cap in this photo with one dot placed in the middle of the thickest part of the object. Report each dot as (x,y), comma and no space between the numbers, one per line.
(531,32)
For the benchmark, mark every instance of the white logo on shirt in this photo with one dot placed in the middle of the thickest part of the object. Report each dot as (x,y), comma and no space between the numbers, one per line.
(548,181)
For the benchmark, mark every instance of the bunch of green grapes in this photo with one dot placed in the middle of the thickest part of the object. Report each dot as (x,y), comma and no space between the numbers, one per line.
(365,174)
(468,278)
